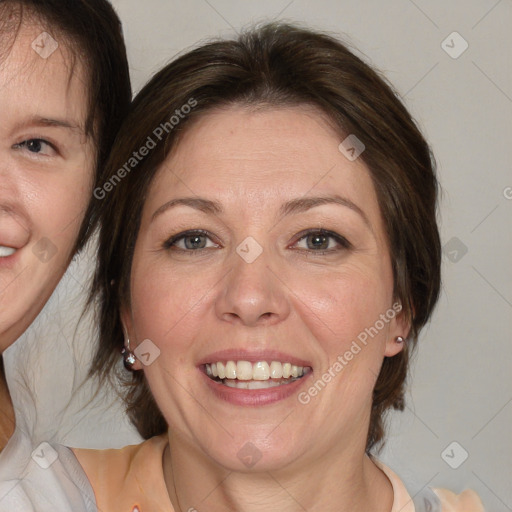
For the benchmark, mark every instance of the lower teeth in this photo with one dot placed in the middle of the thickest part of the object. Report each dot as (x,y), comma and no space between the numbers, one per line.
(256,384)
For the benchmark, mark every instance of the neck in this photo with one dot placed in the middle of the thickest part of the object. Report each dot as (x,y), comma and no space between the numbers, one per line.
(6,410)
(344,480)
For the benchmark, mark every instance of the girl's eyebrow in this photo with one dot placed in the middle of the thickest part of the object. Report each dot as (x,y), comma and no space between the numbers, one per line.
(291,207)
(37,121)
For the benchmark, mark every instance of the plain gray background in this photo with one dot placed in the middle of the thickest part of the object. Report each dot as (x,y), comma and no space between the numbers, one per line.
(460,388)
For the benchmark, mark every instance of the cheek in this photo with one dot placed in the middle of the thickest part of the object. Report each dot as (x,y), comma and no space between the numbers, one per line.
(340,312)
(167,306)
(170,311)
(59,203)
(341,304)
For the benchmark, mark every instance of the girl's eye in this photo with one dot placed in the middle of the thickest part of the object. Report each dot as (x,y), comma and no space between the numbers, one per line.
(37,147)
(322,241)
(190,241)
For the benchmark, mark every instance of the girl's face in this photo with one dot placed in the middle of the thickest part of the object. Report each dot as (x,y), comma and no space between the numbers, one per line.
(261,253)
(46,172)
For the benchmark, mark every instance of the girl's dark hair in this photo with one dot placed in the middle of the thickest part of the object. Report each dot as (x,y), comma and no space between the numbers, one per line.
(275,66)
(92,34)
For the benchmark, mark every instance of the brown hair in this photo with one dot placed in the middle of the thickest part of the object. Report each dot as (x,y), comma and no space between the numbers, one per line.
(93,33)
(276,65)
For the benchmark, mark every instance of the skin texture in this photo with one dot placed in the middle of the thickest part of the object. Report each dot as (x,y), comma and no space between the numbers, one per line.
(45,186)
(292,298)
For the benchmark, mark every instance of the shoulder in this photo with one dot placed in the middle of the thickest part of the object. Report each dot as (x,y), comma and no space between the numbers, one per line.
(128,477)
(466,501)
(43,477)
(117,463)
(153,447)
(430,499)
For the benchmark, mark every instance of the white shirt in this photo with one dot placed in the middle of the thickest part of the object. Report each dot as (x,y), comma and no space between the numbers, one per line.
(42,478)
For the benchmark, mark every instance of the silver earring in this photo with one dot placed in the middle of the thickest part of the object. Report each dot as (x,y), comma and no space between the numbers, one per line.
(128,356)
(399,340)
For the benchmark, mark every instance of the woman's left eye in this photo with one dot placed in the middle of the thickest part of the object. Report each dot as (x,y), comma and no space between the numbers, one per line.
(322,241)
(190,241)
(37,147)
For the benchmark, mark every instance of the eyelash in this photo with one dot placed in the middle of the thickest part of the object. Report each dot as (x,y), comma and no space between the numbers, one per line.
(24,145)
(340,240)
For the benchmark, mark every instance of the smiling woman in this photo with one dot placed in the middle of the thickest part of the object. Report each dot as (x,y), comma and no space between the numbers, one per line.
(41,157)
(280,243)
(64,89)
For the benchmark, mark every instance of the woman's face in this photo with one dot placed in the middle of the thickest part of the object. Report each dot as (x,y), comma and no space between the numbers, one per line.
(46,172)
(260,242)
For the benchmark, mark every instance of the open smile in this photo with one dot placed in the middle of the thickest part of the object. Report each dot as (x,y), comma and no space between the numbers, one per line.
(258,375)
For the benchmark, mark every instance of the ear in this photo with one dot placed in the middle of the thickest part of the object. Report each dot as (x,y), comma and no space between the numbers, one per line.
(398,326)
(129,334)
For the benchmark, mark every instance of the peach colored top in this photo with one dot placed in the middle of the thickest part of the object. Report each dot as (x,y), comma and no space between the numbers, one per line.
(131,480)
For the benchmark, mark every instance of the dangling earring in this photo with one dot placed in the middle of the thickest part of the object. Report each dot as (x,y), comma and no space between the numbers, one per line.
(399,340)
(128,356)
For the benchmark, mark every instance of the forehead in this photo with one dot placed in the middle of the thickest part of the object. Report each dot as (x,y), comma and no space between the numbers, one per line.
(265,155)
(39,75)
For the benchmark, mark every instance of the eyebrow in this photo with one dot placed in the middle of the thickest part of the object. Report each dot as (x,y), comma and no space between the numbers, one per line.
(50,122)
(306,203)
(198,203)
(291,207)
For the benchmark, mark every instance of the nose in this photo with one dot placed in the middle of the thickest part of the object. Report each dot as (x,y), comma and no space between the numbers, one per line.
(253,294)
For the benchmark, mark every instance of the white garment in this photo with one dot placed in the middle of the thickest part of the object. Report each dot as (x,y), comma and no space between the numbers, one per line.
(43,478)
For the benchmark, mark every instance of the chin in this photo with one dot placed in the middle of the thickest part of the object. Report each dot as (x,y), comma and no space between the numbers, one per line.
(254,454)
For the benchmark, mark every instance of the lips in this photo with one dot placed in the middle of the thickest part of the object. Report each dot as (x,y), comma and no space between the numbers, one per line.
(254,378)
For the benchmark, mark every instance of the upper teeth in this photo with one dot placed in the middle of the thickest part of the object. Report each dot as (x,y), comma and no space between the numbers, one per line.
(245,370)
(6,251)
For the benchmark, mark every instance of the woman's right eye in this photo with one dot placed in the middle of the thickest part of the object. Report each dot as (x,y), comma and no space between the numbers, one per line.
(190,241)
(37,147)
